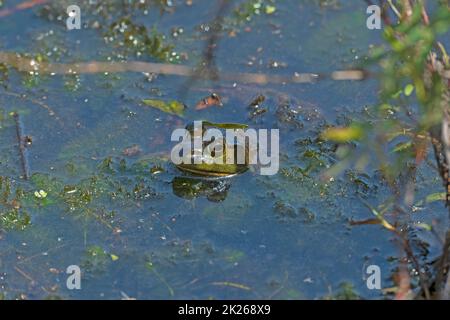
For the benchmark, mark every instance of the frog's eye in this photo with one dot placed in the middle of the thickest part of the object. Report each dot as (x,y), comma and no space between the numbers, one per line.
(214,153)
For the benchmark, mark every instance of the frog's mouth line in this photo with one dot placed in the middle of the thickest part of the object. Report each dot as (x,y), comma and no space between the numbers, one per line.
(210,175)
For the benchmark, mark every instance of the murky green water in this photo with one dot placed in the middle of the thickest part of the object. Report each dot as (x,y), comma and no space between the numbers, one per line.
(115,214)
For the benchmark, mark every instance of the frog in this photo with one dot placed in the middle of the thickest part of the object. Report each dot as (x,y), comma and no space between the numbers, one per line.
(208,169)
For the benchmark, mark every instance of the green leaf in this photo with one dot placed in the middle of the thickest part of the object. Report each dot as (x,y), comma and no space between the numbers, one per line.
(114,257)
(379,216)
(408,90)
(172,107)
(403,146)
(439,196)
(424,226)
(270,9)
(225,125)
(346,134)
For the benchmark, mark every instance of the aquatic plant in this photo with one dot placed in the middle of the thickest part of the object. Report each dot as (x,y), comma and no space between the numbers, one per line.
(410,119)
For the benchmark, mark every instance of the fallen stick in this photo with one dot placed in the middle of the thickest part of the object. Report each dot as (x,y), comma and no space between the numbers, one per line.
(22,147)
(24,64)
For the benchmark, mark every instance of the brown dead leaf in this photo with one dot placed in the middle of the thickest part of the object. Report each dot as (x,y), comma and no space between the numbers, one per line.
(212,100)
(420,150)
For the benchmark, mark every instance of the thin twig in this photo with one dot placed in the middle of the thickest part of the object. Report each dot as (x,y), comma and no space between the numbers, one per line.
(23,64)
(25,275)
(406,245)
(22,6)
(22,147)
(282,286)
(394,9)
(40,254)
(37,102)
(443,267)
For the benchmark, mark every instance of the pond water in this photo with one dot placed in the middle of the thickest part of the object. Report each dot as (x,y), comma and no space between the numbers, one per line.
(101,156)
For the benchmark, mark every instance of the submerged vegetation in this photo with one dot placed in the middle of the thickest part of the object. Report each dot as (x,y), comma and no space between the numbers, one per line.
(85,124)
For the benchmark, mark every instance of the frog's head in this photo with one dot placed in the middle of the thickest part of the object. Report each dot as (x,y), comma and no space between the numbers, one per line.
(209,167)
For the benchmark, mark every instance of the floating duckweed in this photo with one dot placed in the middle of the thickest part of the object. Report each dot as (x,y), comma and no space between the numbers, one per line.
(137,39)
(41,194)
(114,257)
(270,9)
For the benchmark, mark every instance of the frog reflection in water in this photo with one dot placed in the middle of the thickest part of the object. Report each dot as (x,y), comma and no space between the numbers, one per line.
(191,188)
(210,179)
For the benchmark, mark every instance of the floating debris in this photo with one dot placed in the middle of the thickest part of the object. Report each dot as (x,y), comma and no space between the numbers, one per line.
(172,107)
(212,100)
(41,194)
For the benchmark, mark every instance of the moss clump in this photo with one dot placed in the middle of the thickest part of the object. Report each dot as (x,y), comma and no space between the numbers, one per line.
(137,40)
(12,215)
